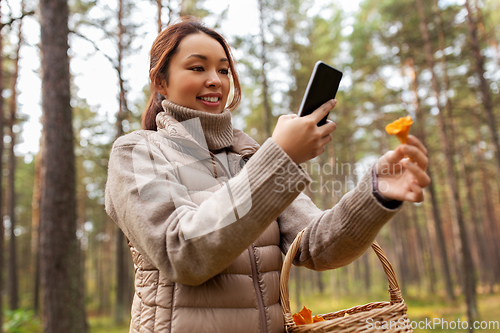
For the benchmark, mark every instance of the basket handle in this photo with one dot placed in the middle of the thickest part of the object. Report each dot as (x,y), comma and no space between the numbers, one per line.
(394,290)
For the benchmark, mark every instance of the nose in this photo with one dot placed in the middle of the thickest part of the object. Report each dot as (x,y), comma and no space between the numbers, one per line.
(213,80)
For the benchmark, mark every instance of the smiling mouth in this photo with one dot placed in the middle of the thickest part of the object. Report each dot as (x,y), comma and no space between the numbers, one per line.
(209,99)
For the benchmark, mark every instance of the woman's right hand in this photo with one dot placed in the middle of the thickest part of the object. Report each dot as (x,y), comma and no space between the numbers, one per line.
(300,137)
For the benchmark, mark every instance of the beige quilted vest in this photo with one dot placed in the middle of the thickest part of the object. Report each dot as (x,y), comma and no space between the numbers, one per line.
(242,298)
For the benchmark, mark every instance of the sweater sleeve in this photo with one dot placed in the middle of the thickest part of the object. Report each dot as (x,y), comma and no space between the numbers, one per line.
(335,237)
(156,223)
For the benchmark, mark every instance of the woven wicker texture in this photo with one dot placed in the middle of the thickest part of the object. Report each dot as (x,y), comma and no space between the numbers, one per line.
(372,317)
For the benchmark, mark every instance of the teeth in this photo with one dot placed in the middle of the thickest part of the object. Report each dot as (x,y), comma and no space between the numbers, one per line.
(210,99)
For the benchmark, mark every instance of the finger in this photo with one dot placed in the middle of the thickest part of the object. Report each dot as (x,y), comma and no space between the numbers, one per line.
(323,110)
(413,140)
(416,193)
(325,140)
(422,178)
(320,151)
(283,117)
(394,156)
(327,128)
(416,155)
(317,152)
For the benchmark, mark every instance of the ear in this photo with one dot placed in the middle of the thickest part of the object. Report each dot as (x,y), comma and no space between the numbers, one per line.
(160,85)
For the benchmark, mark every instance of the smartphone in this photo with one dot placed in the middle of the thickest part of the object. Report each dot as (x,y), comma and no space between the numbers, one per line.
(322,86)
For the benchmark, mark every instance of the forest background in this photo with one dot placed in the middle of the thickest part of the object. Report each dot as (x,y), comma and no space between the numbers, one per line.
(437,61)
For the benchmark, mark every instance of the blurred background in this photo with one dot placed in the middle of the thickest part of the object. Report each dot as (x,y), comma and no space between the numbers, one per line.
(436,60)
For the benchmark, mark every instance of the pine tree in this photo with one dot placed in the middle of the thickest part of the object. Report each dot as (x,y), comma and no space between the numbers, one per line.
(63,302)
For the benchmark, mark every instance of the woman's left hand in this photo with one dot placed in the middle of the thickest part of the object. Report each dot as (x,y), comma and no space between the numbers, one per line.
(401,173)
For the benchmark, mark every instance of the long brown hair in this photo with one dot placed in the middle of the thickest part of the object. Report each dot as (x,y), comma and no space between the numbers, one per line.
(162,51)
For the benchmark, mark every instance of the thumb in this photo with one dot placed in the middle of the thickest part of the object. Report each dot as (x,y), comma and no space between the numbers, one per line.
(390,162)
(394,156)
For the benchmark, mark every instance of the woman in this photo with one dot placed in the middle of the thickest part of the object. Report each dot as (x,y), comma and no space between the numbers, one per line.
(207,212)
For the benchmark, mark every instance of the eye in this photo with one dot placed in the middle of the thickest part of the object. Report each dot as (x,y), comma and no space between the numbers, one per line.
(224,71)
(197,69)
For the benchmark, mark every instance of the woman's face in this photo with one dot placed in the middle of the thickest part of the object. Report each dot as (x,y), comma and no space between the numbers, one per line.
(198,75)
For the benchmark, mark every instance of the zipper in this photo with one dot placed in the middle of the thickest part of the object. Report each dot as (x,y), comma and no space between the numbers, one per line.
(258,292)
(223,167)
(253,263)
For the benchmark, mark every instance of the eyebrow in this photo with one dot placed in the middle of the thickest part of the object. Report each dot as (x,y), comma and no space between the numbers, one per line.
(204,57)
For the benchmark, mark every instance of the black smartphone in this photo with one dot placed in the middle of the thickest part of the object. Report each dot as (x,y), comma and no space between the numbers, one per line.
(322,86)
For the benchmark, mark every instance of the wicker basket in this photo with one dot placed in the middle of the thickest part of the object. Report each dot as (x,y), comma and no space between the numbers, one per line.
(372,317)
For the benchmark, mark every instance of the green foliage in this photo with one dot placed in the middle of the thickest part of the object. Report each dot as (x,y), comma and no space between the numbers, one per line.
(21,321)
(194,8)
(106,325)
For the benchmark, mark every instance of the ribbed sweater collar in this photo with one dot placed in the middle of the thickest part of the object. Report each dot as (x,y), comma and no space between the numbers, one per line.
(217,128)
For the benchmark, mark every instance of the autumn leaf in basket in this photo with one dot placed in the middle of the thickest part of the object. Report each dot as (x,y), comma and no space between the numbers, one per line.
(400,128)
(305,317)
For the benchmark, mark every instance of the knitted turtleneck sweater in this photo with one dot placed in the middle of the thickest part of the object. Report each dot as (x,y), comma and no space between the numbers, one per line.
(217,128)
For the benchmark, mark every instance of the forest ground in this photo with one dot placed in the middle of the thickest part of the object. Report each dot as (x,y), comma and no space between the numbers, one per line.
(420,308)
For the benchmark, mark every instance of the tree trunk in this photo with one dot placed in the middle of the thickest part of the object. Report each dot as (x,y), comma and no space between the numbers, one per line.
(467,264)
(430,254)
(367,272)
(159,6)
(449,116)
(263,63)
(35,234)
(490,222)
(480,25)
(2,228)
(11,192)
(431,188)
(397,235)
(108,248)
(170,13)
(120,305)
(183,8)
(477,224)
(483,84)
(123,108)
(63,302)
(319,282)
(122,281)
(298,286)
(420,247)
(99,278)
(416,266)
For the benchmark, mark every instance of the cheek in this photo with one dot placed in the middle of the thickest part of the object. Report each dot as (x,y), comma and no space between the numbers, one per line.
(226,85)
(190,87)
(186,86)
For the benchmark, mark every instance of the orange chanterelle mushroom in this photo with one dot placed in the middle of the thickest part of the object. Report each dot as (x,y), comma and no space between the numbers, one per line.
(400,128)
(305,317)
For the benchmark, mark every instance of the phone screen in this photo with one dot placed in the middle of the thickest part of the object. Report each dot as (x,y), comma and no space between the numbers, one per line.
(322,86)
